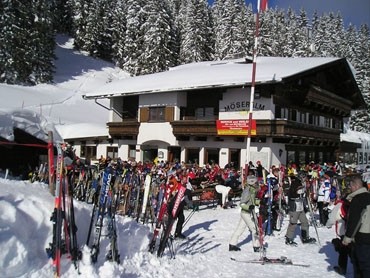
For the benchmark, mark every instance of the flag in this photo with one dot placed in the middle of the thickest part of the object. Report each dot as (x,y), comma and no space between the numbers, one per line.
(263,5)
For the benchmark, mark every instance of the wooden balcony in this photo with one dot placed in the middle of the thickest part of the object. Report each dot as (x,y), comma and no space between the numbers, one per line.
(124,129)
(279,128)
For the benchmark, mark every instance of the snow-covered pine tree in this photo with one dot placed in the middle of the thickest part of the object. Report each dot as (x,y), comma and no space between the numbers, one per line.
(195,33)
(8,39)
(156,45)
(118,32)
(360,121)
(42,42)
(62,16)
(230,29)
(134,38)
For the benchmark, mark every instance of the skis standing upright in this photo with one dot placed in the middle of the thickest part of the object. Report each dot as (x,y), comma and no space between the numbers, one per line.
(63,219)
(147,182)
(180,196)
(55,249)
(312,217)
(102,203)
(269,207)
(70,224)
(280,215)
(163,196)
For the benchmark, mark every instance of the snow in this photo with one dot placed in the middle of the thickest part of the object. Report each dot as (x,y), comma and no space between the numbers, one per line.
(26,230)
(61,103)
(211,74)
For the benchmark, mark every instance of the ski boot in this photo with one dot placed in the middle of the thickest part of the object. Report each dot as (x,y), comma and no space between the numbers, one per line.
(306,238)
(259,249)
(233,248)
(290,242)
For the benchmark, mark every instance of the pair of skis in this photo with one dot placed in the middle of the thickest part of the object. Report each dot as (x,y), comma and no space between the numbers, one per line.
(64,226)
(106,209)
(166,219)
(266,261)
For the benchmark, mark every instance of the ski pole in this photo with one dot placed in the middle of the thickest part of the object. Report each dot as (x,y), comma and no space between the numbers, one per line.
(188,218)
(313,219)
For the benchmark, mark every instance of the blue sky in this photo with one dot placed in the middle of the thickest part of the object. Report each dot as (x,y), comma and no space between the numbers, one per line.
(355,11)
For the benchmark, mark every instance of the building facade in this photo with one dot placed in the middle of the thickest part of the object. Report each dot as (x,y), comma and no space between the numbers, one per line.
(298,108)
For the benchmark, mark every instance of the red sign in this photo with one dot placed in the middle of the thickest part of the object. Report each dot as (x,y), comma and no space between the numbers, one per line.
(235,127)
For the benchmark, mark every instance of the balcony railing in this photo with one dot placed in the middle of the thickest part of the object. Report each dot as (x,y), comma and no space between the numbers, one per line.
(128,128)
(279,128)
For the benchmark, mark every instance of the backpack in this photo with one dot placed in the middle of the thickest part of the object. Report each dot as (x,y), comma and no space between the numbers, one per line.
(333,192)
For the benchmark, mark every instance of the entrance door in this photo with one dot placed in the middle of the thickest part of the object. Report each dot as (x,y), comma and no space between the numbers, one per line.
(149,154)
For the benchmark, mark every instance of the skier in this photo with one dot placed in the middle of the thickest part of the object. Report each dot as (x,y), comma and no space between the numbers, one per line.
(323,199)
(338,217)
(358,227)
(178,180)
(297,212)
(247,204)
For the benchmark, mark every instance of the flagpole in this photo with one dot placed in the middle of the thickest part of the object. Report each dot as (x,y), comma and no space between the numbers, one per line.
(251,103)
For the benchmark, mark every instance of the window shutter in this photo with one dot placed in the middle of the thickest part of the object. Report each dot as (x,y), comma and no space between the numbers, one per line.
(144,114)
(169,114)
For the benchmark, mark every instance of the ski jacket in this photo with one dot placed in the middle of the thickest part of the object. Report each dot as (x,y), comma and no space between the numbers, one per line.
(296,199)
(359,199)
(338,217)
(324,191)
(248,198)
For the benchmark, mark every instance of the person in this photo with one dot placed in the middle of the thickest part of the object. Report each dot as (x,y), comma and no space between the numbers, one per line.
(277,199)
(338,217)
(297,212)
(358,231)
(247,217)
(323,198)
(259,171)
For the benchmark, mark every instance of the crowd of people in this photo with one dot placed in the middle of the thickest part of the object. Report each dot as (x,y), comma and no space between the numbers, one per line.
(270,194)
(296,191)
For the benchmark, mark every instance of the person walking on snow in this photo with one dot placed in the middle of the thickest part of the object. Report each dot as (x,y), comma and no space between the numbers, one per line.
(247,204)
(297,212)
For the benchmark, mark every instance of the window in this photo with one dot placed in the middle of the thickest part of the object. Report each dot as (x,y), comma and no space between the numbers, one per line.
(205,113)
(302,116)
(284,113)
(89,152)
(327,122)
(112,152)
(291,156)
(293,115)
(132,151)
(156,114)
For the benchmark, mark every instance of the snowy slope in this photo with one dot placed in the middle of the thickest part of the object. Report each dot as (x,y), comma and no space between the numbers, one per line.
(26,230)
(62,103)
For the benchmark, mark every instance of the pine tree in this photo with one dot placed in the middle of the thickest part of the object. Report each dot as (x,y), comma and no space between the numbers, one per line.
(230,29)
(62,16)
(134,37)
(195,36)
(119,32)
(360,120)
(42,42)
(156,46)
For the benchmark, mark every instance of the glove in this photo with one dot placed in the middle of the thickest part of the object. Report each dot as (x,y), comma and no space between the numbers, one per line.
(244,207)
(251,208)
(347,240)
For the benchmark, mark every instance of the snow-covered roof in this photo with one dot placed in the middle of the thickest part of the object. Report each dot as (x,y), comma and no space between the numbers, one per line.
(354,136)
(82,130)
(226,73)
(28,121)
